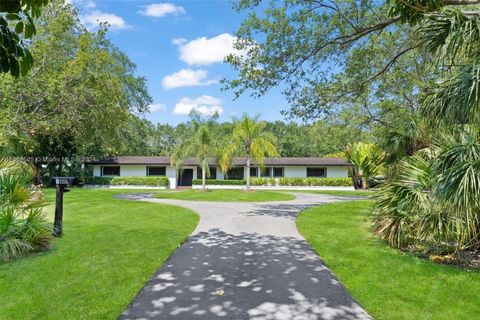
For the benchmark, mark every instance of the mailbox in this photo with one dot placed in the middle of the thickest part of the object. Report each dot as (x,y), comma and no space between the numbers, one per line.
(60,183)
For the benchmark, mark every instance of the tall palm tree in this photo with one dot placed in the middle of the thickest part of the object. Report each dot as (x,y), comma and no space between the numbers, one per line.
(200,144)
(249,139)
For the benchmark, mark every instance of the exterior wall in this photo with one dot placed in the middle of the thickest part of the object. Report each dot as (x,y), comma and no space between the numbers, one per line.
(96,171)
(171,173)
(337,172)
(220,175)
(133,171)
(295,172)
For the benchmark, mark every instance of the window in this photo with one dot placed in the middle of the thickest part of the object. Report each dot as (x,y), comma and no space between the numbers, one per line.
(278,172)
(265,172)
(253,172)
(213,173)
(156,171)
(316,172)
(235,174)
(110,170)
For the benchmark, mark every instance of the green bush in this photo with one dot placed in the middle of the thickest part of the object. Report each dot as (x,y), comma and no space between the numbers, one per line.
(315,182)
(261,181)
(215,182)
(129,181)
(23,227)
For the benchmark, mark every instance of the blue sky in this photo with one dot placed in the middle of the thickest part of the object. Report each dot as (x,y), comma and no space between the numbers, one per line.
(178,46)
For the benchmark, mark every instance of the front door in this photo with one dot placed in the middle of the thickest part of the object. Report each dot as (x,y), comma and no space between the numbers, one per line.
(185,177)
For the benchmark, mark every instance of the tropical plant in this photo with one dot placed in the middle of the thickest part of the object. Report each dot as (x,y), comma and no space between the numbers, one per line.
(200,144)
(367,160)
(22,223)
(249,139)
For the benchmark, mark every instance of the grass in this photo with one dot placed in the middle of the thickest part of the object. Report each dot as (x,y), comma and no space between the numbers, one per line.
(345,193)
(226,195)
(110,248)
(389,284)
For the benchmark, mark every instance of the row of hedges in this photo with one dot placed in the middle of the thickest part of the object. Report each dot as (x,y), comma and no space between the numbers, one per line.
(215,182)
(129,181)
(305,182)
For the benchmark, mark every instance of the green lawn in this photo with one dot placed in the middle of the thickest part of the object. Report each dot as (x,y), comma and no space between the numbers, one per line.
(345,193)
(388,283)
(110,248)
(226,195)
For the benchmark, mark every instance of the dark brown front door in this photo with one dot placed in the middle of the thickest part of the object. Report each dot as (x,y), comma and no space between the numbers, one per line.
(185,177)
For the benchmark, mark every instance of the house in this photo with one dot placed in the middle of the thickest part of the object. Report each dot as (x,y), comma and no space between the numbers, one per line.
(277,167)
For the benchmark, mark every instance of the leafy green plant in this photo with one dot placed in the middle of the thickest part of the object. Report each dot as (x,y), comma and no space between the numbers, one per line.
(215,182)
(23,227)
(367,160)
(161,181)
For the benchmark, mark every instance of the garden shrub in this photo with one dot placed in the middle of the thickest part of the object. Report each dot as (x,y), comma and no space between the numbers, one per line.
(129,181)
(216,182)
(316,182)
(262,181)
(23,227)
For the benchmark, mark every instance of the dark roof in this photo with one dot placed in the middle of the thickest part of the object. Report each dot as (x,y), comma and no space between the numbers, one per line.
(241,161)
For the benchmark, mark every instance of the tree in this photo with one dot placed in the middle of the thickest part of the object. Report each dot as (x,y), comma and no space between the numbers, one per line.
(80,98)
(16,21)
(367,160)
(249,139)
(201,143)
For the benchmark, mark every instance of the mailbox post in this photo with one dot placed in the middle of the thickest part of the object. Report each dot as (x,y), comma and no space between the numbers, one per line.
(60,183)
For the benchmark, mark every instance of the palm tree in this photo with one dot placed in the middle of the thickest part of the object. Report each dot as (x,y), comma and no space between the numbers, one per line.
(367,159)
(249,139)
(200,144)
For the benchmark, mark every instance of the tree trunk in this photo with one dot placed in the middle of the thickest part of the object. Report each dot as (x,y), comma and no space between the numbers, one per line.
(248,174)
(204,179)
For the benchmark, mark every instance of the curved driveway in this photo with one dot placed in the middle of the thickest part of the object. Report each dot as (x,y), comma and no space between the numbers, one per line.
(244,260)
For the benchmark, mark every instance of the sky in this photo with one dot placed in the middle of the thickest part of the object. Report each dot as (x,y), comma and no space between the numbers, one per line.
(179,47)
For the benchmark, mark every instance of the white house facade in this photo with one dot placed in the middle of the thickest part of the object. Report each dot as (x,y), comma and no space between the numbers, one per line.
(278,167)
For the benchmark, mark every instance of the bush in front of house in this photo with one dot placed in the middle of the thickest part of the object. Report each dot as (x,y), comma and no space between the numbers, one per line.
(262,181)
(316,182)
(216,182)
(129,181)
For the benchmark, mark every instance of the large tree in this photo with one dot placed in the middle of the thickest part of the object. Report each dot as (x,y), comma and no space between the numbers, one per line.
(248,139)
(80,97)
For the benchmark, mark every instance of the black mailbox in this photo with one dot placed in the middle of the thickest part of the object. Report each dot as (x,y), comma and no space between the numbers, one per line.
(60,183)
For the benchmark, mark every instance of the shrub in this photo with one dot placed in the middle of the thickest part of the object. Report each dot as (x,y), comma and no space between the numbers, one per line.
(327,182)
(23,227)
(215,182)
(129,181)
(261,181)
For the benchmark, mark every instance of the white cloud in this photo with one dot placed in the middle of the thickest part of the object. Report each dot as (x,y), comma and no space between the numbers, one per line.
(178,41)
(94,18)
(205,51)
(159,10)
(187,78)
(206,105)
(157,107)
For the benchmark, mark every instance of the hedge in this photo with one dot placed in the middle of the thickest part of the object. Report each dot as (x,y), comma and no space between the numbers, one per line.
(129,181)
(215,182)
(328,182)
(304,182)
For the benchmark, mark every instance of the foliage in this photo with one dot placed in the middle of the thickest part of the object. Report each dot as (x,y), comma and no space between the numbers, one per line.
(367,160)
(311,182)
(23,228)
(378,276)
(249,139)
(262,181)
(215,182)
(128,181)
(433,201)
(201,143)
(82,97)
(16,28)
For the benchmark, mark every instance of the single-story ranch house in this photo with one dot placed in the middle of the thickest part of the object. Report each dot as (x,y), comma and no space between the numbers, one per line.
(137,166)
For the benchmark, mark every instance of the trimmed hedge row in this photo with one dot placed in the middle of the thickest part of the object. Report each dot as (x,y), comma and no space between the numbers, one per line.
(129,181)
(328,182)
(215,182)
(305,182)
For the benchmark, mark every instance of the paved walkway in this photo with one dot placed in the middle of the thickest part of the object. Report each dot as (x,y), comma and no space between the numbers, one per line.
(245,261)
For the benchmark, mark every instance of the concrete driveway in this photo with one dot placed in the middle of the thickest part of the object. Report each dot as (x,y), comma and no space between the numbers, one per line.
(245,261)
